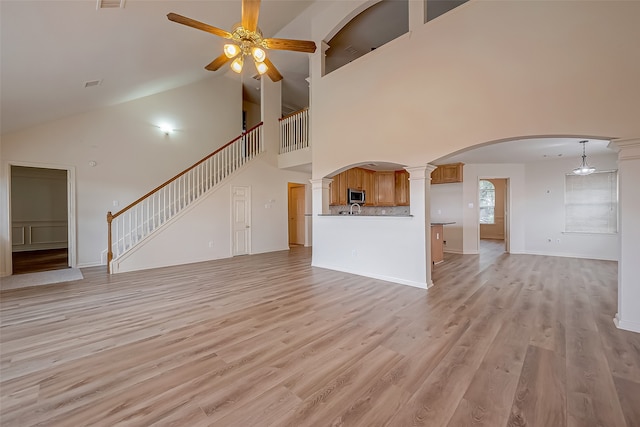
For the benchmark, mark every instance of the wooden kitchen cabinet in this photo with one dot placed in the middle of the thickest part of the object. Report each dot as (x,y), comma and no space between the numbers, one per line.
(338,190)
(355,178)
(402,188)
(446,174)
(382,188)
(369,187)
(385,188)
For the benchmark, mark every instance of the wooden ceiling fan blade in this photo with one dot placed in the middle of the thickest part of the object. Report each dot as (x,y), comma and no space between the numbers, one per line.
(198,25)
(250,12)
(295,45)
(217,63)
(272,71)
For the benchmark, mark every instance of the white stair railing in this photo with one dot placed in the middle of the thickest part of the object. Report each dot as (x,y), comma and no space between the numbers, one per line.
(131,225)
(294,131)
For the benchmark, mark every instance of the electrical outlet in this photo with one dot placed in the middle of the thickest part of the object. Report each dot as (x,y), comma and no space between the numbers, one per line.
(210,243)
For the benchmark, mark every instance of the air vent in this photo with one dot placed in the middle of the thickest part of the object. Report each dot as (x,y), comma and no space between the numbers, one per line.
(93,83)
(110,4)
(352,50)
(257,77)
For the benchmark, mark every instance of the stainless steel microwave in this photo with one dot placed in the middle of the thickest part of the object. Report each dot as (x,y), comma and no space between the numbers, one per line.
(355,196)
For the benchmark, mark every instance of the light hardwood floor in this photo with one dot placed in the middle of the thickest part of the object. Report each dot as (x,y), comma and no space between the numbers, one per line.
(267,340)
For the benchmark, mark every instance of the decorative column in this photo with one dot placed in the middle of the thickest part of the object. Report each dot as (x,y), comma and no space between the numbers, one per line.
(420,196)
(320,195)
(628,316)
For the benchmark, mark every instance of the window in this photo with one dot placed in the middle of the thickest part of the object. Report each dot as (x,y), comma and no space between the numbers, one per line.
(591,203)
(487,202)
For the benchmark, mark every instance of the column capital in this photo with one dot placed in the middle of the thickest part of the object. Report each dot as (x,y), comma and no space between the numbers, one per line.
(420,172)
(320,182)
(628,149)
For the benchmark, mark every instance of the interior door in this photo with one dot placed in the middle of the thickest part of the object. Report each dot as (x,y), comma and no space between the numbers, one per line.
(241,220)
(296,214)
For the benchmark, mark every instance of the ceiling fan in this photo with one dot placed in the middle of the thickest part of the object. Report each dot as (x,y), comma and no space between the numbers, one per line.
(246,40)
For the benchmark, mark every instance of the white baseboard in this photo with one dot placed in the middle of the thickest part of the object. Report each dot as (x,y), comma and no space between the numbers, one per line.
(626,325)
(566,255)
(454,251)
(90,264)
(421,285)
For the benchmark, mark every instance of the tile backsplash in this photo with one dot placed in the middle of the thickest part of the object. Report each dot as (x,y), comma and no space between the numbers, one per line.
(372,210)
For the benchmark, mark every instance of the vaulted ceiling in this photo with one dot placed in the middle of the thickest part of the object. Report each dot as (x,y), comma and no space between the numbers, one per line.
(52,49)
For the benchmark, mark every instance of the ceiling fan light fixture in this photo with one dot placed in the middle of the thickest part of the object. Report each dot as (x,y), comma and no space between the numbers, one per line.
(258,54)
(231,50)
(237,64)
(584,168)
(261,67)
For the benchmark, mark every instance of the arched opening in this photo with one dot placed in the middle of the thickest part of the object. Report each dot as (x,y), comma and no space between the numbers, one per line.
(370,188)
(368,30)
(530,173)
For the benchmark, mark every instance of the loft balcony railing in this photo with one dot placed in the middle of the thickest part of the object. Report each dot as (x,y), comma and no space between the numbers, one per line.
(294,131)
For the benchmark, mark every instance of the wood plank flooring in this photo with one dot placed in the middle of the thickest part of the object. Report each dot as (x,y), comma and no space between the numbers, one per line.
(267,340)
(42,260)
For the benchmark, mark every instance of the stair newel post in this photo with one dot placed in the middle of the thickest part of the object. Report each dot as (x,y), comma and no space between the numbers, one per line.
(109,248)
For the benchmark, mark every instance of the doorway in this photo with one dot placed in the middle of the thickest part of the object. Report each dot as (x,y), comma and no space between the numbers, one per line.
(240,220)
(296,209)
(494,215)
(41,218)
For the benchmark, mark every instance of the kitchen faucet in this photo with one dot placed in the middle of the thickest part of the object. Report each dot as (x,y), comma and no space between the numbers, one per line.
(351,208)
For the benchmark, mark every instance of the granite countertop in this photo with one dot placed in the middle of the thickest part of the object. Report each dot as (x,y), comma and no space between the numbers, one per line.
(443,223)
(370,215)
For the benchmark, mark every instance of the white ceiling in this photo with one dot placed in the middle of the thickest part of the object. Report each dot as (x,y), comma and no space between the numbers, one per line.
(529,150)
(50,48)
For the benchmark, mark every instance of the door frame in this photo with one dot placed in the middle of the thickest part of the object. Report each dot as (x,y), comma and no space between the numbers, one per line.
(290,187)
(71,210)
(507,210)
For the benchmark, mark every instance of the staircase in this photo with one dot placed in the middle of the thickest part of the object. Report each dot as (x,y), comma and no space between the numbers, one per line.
(130,226)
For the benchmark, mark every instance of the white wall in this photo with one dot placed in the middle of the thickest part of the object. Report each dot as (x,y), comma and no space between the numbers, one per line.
(132,155)
(187,238)
(39,194)
(536,206)
(382,247)
(446,206)
(253,113)
(544,207)
(482,72)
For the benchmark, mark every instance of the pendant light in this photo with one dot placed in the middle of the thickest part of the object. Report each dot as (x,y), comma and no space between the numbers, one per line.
(584,168)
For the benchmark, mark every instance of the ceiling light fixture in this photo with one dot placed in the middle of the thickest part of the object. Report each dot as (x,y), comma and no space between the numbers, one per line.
(237,64)
(584,168)
(166,128)
(231,50)
(246,43)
